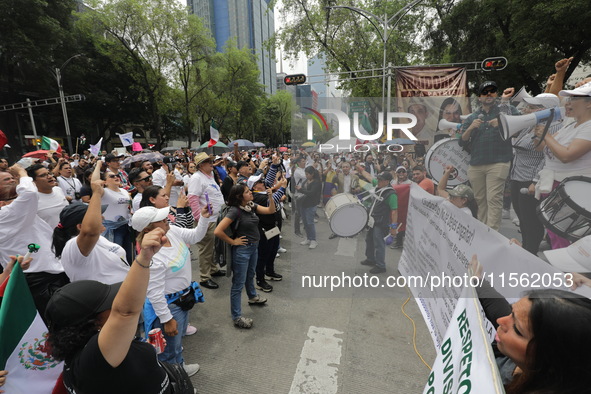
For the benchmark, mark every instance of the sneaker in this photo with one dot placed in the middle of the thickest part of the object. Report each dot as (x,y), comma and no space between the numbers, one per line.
(516,222)
(313,245)
(191,330)
(280,236)
(315,220)
(277,255)
(191,369)
(243,322)
(305,242)
(273,276)
(506,214)
(377,270)
(257,300)
(299,234)
(332,236)
(264,286)
(368,263)
(282,250)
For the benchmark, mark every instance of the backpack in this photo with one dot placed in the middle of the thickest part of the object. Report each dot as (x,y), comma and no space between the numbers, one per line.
(224,250)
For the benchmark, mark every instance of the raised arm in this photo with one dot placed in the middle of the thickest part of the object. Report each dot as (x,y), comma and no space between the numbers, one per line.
(561,67)
(116,335)
(92,224)
(442,186)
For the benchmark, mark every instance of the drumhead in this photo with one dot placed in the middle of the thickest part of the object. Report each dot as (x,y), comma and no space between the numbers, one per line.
(579,192)
(346,216)
(448,152)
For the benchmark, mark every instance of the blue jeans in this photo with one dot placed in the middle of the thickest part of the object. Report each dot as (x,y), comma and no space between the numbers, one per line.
(308,218)
(173,352)
(244,262)
(375,246)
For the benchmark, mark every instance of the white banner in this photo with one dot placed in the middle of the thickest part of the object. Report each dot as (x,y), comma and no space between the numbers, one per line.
(126,139)
(465,361)
(440,241)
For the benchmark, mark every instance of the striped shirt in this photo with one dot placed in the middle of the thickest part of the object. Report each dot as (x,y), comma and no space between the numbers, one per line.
(527,161)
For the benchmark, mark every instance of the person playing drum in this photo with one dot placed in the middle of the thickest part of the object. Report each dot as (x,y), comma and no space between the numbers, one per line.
(568,152)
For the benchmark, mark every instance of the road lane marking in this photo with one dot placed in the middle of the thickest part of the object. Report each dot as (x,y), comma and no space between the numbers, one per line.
(319,361)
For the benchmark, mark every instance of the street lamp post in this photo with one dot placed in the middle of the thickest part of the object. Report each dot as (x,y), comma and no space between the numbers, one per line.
(385,23)
(58,78)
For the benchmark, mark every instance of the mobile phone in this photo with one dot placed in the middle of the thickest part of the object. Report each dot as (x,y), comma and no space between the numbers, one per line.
(208,204)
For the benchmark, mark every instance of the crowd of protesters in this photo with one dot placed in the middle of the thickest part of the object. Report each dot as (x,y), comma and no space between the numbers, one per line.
(106,219)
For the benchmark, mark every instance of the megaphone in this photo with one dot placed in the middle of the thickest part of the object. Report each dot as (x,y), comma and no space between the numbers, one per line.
(446,124)
(518,98)
(464,117)
(509,125)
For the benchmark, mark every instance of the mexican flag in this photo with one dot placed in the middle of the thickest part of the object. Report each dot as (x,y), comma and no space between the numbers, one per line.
(23,348)
(214,134)
(50,144)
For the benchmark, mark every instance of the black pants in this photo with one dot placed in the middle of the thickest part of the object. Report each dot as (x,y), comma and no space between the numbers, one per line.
(42,286)
(266,258)
(532,230)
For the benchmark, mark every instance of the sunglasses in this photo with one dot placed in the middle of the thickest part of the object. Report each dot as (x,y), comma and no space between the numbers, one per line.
(486,92)
(145,179)
(113,176)
(401,172)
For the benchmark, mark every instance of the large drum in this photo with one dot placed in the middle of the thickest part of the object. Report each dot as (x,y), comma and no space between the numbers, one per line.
(346,216)
(567,209)
(448,152)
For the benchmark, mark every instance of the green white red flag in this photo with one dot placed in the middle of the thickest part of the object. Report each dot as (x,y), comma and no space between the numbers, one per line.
(214,134)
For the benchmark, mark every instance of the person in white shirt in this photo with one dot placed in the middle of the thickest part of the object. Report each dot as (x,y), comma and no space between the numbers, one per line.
(401,176)
(77,240)
(171,293)
(140,179)
(51,197)
(159,179)
(298,179)
(20,226)
(203,183)
(116,217)
(67,182)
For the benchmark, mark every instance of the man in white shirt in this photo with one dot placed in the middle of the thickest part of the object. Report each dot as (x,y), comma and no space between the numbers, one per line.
(299,177)
(51,197)
(159,179)
(141,180)
(201,183)
(20,226)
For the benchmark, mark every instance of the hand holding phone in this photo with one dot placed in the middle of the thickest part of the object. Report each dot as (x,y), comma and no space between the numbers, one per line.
(208,204)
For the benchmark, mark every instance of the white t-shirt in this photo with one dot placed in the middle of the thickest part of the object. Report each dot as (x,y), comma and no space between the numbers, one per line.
(347,183)
(137,199)
(20,226)
(159,179)
(564,136)
(51,205)
(106,262)
(171,267)
(70,186)
(118,204)
(201,183)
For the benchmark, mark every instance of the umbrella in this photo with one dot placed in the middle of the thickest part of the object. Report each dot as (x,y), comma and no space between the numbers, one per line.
(259,144)
(283,149)
(400,141)
(152,157)
(40,154)
(217,149)
(309,143)
(170,149)
(243,143)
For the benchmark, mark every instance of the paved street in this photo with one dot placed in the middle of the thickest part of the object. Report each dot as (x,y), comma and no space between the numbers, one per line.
(312,341)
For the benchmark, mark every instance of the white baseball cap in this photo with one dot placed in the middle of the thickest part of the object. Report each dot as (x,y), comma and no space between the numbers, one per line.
(253,179)
(547,100)
(573,258)
(146,215)
(583,90)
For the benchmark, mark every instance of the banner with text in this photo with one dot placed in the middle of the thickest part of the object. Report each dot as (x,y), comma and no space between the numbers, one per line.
(440,241)
(465,362)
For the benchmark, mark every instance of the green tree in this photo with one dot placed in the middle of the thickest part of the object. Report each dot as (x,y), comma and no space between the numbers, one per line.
(349,41)
(531,35)
(277,118)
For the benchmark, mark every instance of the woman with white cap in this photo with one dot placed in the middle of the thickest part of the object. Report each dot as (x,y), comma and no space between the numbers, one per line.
(568,152)
(171,293)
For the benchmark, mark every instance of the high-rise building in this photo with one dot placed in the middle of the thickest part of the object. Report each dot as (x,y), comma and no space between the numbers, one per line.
(249,22)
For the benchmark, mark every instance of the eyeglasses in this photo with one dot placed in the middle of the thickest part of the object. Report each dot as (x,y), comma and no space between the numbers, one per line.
(486,92)
(146,179)
(45,175)
(401,172)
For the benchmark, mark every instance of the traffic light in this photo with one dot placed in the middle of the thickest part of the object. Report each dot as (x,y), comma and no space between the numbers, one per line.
(494,64)
(38,141)
(295,79)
